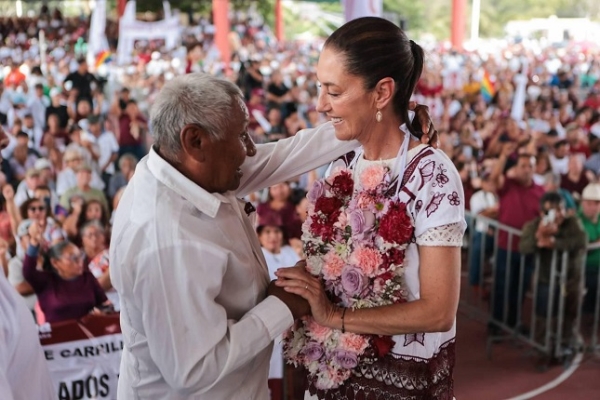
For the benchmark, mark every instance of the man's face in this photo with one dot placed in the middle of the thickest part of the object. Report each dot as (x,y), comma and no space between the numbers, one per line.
(228,155)
(590,208)
(524,170)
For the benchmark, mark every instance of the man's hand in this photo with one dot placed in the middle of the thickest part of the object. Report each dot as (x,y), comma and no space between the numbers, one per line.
(297,305)
(423,125)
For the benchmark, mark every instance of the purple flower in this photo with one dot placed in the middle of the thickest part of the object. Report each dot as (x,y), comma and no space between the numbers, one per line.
(313,351)
(357,221)
(353,281)
(317,190)
(346,359)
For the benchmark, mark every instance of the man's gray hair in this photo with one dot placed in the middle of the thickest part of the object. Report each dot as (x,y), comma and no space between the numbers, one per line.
(195,98)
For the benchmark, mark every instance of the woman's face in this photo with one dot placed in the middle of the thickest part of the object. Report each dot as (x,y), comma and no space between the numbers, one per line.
(93,238)
(70,264)
(280,191)
(271,238)
(93,212)
(37,211)
(343,98)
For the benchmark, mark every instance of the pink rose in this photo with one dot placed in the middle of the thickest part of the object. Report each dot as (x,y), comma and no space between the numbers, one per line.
(318,332)
(353,342)
(333,266)
(372,176)
(368,260)
(317,190)
(342,221)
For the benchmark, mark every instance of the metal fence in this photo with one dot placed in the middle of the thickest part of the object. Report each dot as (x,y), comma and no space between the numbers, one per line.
(535,300)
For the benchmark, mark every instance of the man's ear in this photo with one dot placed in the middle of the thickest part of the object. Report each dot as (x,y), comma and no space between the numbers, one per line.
(194,142)
(384,92)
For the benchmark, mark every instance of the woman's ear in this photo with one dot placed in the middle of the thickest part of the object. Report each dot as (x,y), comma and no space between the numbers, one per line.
(384,92)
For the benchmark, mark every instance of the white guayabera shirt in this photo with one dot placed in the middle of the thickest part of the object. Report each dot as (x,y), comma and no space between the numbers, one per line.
(192,277)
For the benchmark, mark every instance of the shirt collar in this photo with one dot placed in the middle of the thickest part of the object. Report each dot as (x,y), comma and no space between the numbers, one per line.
(207,203)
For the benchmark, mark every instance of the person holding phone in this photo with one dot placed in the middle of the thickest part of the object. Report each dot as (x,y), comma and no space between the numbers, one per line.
(555,230)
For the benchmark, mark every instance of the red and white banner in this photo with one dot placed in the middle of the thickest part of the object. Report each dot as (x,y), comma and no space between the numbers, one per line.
(362,8)
(84,357)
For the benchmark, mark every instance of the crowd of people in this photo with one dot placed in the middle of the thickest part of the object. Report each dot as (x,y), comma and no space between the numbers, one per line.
(75,136)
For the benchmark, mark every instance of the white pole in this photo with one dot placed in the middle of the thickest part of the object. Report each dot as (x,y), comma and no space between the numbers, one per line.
(19,6)
(475,14)
(43,47)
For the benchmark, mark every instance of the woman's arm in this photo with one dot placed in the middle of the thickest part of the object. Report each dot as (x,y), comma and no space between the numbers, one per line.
(37,279)
(434,311)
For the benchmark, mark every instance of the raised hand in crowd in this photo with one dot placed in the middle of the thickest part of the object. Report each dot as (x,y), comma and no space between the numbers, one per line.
(35,233)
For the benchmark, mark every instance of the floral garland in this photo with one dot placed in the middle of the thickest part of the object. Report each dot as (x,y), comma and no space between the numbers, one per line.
(355,242)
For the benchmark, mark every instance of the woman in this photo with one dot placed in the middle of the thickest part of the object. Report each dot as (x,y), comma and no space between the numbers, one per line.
(383,234)
(66,290)
(280,205)
(36,209)
(83,212)
(277,255)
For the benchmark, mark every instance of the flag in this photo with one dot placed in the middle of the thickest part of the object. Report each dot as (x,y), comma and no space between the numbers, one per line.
(487,88)
(102,58)
(354,9)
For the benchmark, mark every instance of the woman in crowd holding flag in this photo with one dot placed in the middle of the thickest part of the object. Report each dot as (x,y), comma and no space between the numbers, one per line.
(382,236)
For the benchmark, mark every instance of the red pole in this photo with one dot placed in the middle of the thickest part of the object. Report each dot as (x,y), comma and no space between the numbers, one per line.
(459,8)
(221,20)
(121,7)
(279,21)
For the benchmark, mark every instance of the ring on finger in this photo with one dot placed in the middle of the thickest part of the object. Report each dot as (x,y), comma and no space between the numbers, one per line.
(306,287)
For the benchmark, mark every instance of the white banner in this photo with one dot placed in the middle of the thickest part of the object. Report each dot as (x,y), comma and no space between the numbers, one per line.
(362,8)
(84,357)
(131,30)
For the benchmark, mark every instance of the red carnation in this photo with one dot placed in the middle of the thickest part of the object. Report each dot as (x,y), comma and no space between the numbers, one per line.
(328,206)
(343,185)
(393,256)
(322,229)
(383,345)
(395,226)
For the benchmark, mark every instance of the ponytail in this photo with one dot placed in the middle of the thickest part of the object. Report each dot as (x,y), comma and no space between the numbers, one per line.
(413,77)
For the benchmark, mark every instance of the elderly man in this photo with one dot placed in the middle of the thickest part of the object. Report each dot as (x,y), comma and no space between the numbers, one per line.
(184,257)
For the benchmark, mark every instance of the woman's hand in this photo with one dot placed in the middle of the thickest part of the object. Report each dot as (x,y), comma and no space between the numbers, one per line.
(8,192)
(422,123)
(35,233)
(298,281)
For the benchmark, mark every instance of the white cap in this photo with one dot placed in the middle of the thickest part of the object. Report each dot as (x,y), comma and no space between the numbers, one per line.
(42,163)
(591,192)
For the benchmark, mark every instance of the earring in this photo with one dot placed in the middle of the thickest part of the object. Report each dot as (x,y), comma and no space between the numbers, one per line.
(378,116)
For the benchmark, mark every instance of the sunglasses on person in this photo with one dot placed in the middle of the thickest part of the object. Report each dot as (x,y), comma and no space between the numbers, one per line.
(73,257)
(37,208)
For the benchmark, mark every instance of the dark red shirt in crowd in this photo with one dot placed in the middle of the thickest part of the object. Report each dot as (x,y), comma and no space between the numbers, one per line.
(125,136)
(574,187)
(517,205)
(292,225)
(60,299)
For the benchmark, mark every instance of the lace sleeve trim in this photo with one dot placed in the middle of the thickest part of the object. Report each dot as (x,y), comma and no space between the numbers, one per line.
(445,235)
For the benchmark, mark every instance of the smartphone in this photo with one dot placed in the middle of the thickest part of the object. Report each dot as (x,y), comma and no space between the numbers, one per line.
(550,217)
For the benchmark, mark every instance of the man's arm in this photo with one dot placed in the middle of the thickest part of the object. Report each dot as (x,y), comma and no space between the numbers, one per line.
(191,338)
